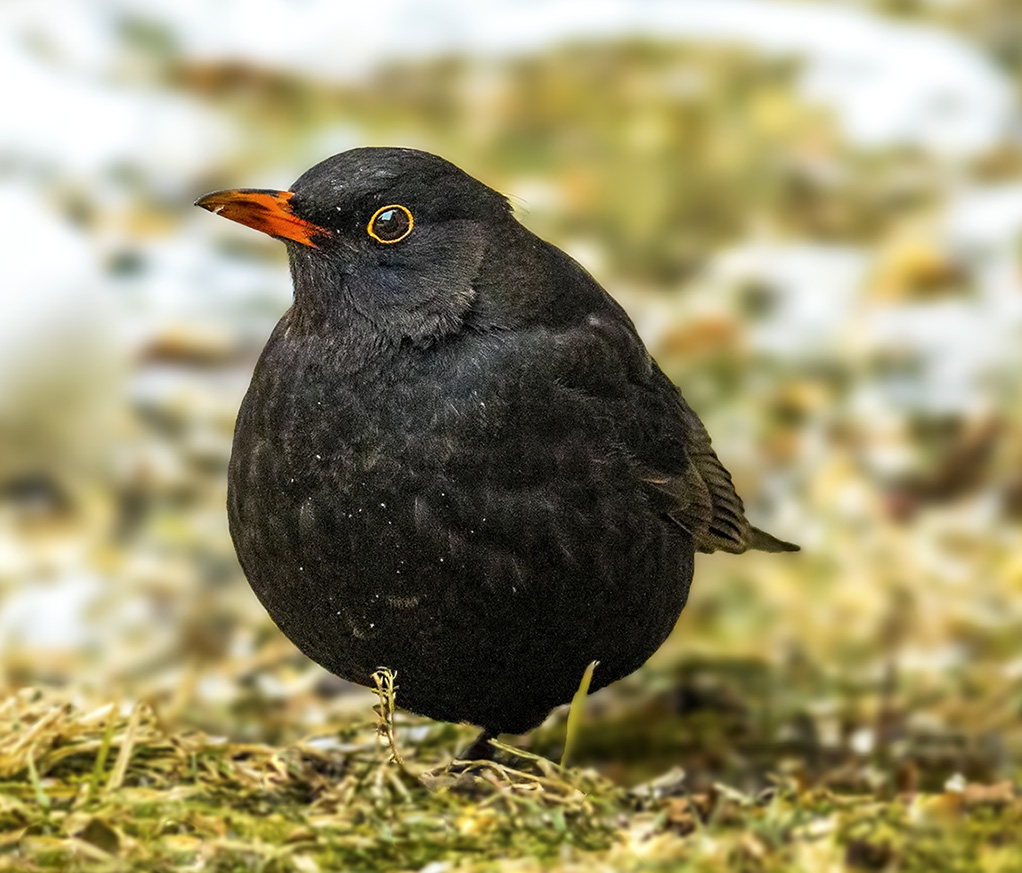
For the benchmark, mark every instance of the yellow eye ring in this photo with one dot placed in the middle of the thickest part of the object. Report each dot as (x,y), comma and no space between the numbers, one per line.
(390,224)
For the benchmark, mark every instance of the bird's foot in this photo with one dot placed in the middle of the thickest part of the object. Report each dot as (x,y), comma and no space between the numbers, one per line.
(480,749)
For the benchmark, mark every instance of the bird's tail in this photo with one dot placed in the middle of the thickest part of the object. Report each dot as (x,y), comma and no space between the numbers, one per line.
(760,539)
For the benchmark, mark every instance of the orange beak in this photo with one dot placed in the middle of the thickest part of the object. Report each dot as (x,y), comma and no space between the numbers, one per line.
(265,210)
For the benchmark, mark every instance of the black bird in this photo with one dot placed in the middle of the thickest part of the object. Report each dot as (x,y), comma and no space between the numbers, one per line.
(456,458)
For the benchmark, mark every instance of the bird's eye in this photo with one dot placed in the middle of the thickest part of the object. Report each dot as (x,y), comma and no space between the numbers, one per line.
(390,224)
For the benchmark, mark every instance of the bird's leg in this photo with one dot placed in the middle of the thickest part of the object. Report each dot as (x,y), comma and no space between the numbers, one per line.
(480,748)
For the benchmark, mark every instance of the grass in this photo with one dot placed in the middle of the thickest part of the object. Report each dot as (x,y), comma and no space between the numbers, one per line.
(116,789)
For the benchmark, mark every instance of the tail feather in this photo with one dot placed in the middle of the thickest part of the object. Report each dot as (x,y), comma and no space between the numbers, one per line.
(760,539)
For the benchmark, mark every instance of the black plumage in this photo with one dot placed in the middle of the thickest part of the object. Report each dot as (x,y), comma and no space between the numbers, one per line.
(456,458)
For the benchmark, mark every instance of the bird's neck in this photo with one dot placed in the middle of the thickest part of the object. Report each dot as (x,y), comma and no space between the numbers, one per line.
(321,319)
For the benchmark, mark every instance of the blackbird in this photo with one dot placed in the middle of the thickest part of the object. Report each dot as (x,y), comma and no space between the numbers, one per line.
(456,458)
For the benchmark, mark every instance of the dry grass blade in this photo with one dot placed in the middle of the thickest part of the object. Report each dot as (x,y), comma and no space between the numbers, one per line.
(386,690)
(124,753)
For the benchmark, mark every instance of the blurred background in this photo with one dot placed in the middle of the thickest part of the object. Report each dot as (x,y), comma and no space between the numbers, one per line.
(812,211)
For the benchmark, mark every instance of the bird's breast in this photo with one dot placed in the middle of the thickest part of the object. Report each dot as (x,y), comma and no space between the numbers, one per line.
(444,517)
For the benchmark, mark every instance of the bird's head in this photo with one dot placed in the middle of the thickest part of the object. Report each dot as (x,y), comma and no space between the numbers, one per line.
(394,237)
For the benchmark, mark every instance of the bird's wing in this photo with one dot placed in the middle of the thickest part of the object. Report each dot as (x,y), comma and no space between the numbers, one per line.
(603,362)
(669,449)
(698,493)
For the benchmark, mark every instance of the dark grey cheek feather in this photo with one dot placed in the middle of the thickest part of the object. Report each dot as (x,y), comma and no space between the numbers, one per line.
(423,286)
(418,290)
